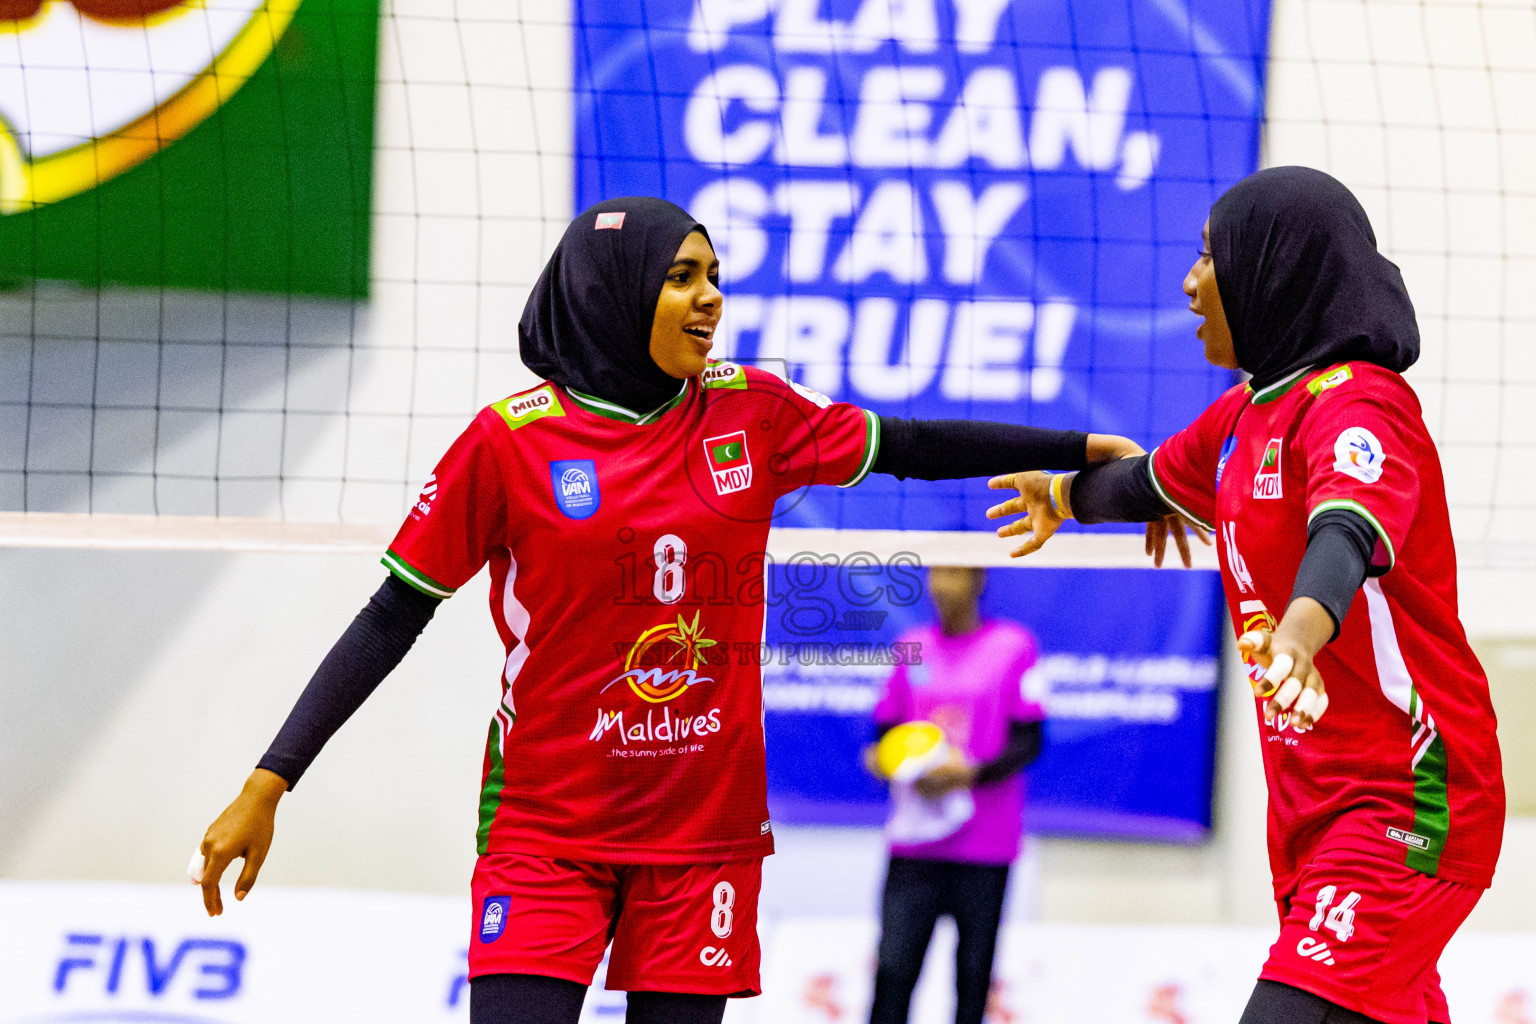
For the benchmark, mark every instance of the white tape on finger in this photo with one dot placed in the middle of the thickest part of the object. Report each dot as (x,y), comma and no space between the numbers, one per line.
(1288,693)
(1278,670)
(1306,704)
(195,868)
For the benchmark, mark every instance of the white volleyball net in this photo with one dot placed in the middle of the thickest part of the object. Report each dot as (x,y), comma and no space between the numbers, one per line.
(143,404)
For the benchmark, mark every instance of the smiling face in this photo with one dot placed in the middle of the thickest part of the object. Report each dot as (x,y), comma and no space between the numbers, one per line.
(1205,301)
(688,310)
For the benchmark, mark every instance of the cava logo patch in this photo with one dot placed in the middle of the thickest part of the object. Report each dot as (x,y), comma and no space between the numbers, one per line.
(609,221)
(575,483)
(106,84)
(1266,482)
(1359,454)
(493,917)
(424,500)
(729,463)
(521,410)
(1333,380)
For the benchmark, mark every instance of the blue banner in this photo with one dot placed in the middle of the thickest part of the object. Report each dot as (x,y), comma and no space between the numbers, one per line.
(939,208)
(1128,677)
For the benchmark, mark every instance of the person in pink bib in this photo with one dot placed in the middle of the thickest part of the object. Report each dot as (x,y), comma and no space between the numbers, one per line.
(955,831)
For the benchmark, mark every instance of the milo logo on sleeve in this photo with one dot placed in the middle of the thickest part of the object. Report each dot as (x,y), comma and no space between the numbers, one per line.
(521,410)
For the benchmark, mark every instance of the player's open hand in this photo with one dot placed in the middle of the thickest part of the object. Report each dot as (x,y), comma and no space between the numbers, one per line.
(1034,500)
(1292,682)
(243,830)
(1179,528)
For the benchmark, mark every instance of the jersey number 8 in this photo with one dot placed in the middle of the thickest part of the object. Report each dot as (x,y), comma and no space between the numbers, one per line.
(720,918)
(671,556)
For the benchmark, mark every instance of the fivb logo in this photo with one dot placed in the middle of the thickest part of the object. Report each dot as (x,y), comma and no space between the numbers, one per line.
(1266,482)
(730,464)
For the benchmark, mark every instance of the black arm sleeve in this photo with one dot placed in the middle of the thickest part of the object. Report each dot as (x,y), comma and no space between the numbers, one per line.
(1339,546)
(956,449)
(1019,752)
(367,652)
(1117,492)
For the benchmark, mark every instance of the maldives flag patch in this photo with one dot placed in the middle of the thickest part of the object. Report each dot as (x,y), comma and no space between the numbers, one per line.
(730,465)
(1266,482)
(609,221)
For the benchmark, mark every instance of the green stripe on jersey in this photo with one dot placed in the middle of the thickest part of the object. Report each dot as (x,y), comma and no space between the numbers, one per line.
(1431,806)
(415,577)
(1279,387)
(490,793)
(1362,512)
(871,449)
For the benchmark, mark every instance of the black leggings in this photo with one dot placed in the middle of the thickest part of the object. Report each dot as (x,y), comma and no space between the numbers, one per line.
(532,999)
(917,892)
(1274,1003)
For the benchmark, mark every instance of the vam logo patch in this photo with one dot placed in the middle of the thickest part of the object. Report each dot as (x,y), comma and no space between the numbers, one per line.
(575,484)
(1359,454)
(493,917)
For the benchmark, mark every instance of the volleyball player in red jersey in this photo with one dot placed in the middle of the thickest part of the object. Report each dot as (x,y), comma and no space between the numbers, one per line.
(623,508)
(1326,496)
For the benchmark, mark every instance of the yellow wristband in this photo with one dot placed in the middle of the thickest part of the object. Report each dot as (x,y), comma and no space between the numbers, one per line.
(1058,499)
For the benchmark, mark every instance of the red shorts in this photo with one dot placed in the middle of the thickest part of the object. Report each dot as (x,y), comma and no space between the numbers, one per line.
(688,928)
(1366,932)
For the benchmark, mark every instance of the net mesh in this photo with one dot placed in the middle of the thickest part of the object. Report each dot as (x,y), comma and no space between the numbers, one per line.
(206,414)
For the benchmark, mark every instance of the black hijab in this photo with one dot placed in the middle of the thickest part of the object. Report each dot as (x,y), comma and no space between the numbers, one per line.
(587,325)
(1300,278)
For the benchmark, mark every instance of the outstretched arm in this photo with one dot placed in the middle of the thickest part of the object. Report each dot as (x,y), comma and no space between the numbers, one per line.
(1119,491)
(371,647)
(957,449)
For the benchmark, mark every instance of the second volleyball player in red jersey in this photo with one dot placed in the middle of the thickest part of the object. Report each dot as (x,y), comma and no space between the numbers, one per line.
(623,508)
(1325,492)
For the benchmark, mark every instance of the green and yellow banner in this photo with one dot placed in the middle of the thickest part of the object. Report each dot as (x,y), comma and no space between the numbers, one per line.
(211,144)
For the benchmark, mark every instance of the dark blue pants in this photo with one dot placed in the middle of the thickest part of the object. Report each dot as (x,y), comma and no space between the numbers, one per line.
(917,892)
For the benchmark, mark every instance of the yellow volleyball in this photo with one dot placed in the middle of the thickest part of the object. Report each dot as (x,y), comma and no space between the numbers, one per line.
(909,749)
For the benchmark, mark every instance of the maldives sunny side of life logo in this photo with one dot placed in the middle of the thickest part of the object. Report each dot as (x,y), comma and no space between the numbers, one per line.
(662,664)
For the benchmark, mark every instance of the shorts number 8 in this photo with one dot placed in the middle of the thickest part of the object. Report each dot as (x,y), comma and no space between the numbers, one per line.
(720,918)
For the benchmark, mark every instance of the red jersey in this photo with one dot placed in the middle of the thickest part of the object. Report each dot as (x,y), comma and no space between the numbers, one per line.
(1406,762)
(627,555)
